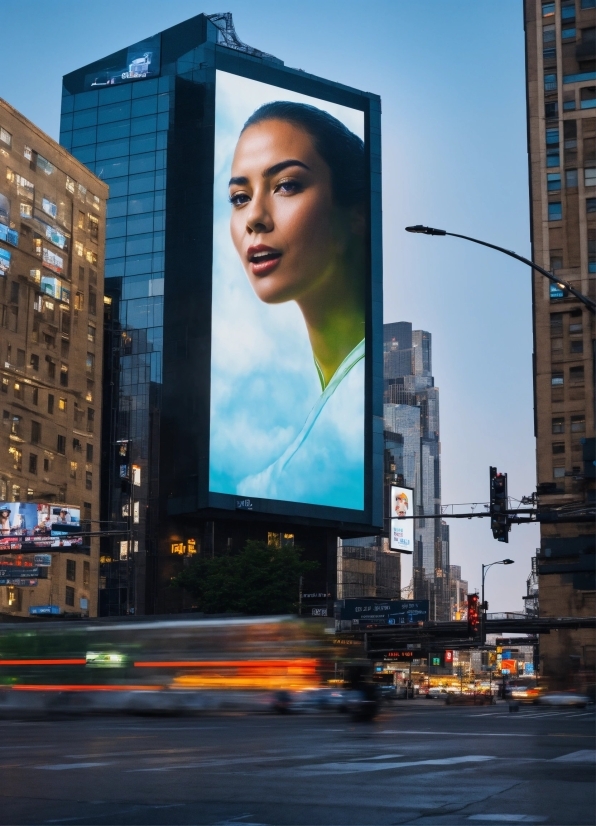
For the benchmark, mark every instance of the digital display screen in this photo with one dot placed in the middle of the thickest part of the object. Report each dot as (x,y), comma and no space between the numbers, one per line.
(290,279)
(41,525)
(4,260)
(401,531)
(52,261)
(49,207)
(10,236)
(142,60)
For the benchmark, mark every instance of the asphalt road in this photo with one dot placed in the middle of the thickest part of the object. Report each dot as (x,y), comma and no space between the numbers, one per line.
(419,763)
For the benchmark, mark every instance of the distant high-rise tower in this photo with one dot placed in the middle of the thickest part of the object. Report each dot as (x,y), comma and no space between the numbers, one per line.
(411,414)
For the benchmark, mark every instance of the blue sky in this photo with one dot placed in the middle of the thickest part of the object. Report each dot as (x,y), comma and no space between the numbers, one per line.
(451,79)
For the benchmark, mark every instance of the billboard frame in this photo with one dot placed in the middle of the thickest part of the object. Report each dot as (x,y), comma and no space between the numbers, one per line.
(187,326)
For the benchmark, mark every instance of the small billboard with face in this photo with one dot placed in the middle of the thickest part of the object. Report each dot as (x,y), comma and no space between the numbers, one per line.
(402,529)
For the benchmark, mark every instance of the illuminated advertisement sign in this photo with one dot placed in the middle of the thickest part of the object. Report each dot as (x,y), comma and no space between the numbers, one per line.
(4,260)
(290,278)
(26,525)
(52,260)
(11,236)
(142,60)
(382,612)
(401,531)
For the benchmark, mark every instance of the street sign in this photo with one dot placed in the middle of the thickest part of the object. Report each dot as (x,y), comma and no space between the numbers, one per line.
(18,571)
(365,612)
(36,610)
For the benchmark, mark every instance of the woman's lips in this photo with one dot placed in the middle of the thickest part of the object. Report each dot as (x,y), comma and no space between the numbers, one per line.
(263,259)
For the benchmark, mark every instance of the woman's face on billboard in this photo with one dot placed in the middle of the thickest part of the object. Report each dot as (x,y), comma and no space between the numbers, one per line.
(289,234)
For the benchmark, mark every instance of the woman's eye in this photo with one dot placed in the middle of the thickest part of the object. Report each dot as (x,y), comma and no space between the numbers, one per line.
(239,199)
(288,187)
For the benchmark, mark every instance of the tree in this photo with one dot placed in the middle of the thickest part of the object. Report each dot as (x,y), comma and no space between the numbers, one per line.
(261,579)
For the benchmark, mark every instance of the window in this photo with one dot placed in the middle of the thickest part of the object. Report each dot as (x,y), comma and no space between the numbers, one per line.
(551,110)
(557,379)
(90,362)
(555,211)
(89,393)
(558,472)
(16,457)
(570,134)
(51,367)
(81,275)
(69,596)
(89,453)
(588,4)
(61,445)
(62,404)
(556,260)
(550,82)
(64,347)
(64,375)
(86,573)
(79,301)
(548,9)
(553,158)
(5,384)
(70,184)
(591,250)
(92,302)
(590,176)
(5,136)
(81,221)
(79,248)
(578,424)
(15,426)
(553,181)
(93,226)
(14,292)
(34,362)
(88,480)
(50,403)
(35,433)
(19,390)
(91,332)
(548,34)
(552,137)
(570,178)
(587,97)
(568,10)
(33,463)
(549,54)
(90,420)
(48,462)
(558,425)
(576,375)
(87,510)
(34,395)
(558,447)
(576,327)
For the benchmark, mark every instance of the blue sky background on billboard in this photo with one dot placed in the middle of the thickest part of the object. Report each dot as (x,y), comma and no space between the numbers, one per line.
(451,77)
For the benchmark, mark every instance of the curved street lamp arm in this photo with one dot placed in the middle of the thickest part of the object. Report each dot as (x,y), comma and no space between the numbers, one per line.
(591,305)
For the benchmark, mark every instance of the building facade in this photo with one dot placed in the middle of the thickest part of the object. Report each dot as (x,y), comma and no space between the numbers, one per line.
(144,120)
(52,230)
(413,455)
(561,100)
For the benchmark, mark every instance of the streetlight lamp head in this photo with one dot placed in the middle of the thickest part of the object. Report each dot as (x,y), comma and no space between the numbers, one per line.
(508,561)
(426,230)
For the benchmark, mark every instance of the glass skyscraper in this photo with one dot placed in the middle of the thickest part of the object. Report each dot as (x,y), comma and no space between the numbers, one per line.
(411,411)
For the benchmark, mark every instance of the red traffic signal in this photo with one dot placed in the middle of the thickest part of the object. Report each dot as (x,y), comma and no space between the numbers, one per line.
(473,615)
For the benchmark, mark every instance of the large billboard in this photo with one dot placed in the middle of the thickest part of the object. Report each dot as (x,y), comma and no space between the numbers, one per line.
(28,525)
(289,297)
(401,532)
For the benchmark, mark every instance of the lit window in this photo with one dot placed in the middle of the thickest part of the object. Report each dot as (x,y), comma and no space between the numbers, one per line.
(70,184)
(555,211)
(91,332)
(73,470)
(79,248)
(61,404)
(557,379)
(26,210)
(90,362)
(5,137)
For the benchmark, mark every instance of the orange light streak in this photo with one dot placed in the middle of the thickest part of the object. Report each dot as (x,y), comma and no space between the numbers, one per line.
(259,664)
(43,662)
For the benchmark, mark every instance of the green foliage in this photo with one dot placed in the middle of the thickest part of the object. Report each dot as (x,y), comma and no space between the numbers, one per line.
(261,579)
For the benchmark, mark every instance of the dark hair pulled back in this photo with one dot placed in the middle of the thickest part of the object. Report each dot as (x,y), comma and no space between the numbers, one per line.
(342,150)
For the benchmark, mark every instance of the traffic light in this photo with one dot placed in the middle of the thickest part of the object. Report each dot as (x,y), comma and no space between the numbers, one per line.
(473,615)
(499,505)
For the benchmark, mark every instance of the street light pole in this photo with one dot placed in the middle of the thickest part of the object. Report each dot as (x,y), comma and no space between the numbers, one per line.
(482,608)
(591,305)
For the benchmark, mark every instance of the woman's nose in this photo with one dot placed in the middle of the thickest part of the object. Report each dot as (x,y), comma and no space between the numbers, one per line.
(258,218)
